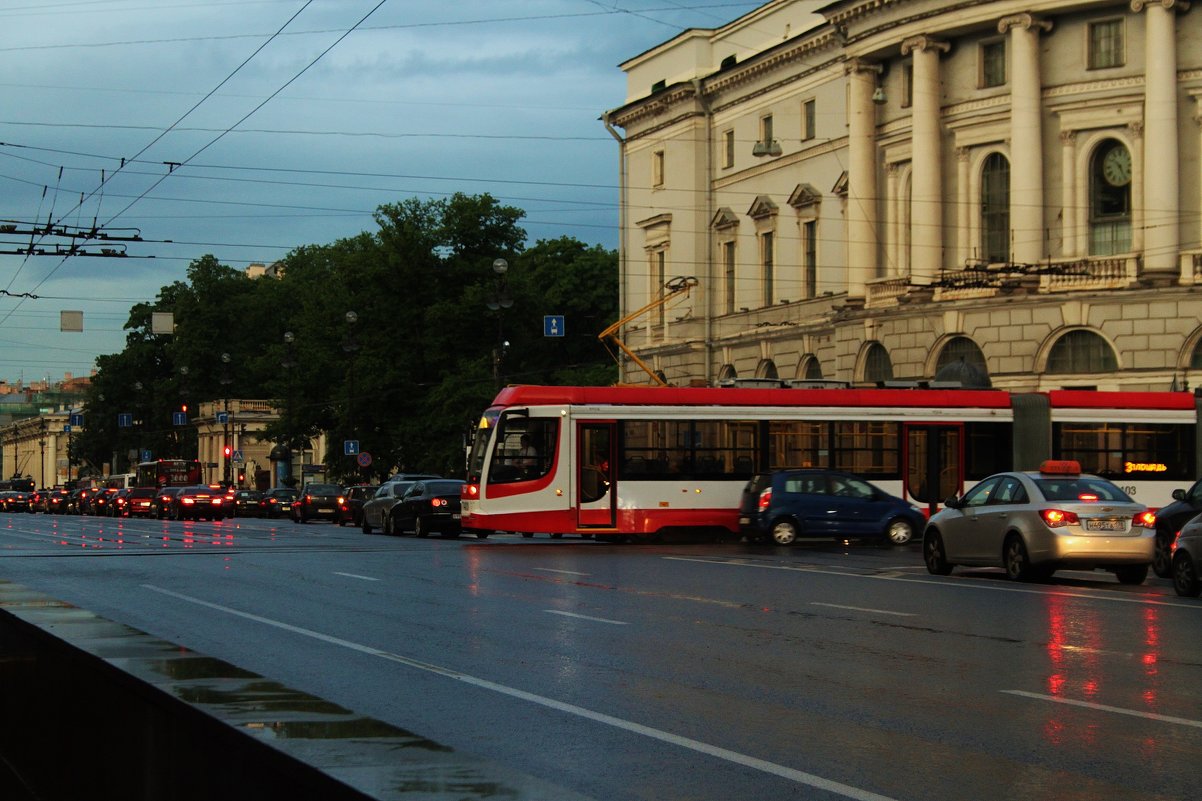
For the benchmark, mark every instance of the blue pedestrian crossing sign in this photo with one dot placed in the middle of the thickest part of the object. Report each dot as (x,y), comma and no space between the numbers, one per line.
(350,447)
(552,325)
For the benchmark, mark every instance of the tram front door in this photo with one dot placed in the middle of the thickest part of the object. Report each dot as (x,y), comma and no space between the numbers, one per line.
(596,485)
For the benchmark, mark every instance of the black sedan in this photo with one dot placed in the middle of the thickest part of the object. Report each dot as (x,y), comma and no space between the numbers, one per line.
(277,502)
(199,502)
(377,510)
(318,501)
(430,507)
(353,498)
(246,503)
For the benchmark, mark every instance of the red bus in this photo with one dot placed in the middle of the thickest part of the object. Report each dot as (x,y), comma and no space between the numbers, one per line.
(168,473)
(636,461)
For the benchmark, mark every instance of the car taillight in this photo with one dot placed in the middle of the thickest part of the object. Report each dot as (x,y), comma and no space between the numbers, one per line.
(341,501)
(439,502)
(765,499)
(469,491)
(1144,520)
(1056,518)
(186,500)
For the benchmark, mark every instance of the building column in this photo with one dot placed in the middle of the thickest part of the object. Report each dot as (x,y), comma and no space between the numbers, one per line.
(926,194)
(863,231)
(1026,138)
(1160,176)
(892,222)
(1069,231)
(965,233)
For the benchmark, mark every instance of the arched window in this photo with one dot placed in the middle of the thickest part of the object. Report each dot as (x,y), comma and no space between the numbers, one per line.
(1110,199)
(1195,359)
(877,364)
(728,371)
(995,209)
(811,368)
(961,360)
(1081,352)
(767,369)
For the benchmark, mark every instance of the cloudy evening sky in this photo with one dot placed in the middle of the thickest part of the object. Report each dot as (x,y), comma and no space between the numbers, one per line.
(410,99)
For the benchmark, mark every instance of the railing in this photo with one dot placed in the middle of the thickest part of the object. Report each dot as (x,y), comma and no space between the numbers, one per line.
(885,291)
(1089,274)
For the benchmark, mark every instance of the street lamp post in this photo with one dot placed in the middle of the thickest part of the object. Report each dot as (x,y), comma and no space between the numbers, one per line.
(498,301)
(350,346)
(225,434)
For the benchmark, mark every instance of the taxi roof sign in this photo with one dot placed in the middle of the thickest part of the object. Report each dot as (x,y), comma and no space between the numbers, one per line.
(1060,467)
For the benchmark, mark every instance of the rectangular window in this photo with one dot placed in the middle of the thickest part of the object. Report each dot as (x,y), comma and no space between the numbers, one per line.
(767,267)
(1127,451)
(728,149)
(809,266)
(993,63)
(525,450)
(1106,44)
(766,129)
(659,260)
(657,168)
(728,272)
(797,443)
(807,120)
(867,448)
(672,449)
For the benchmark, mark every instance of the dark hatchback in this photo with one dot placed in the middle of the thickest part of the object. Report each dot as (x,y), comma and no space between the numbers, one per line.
(350,510)
(786,505)
(430,507)
(1186,505)
(246,503)
(277,502)
(317,502)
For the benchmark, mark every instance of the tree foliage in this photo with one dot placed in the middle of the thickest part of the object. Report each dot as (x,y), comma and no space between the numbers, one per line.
(428,347)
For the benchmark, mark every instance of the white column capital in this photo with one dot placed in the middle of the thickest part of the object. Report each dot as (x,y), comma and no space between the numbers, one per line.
(1136,129)
(856,66)
(1024,21)
(1168,5)
(1068,138)
(924,42)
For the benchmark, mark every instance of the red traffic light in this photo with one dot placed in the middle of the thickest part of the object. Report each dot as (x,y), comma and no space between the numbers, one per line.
(228,451)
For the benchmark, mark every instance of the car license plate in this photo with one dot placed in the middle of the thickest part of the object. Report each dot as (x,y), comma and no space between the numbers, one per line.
(1105,525)
(455,516)
(743,521)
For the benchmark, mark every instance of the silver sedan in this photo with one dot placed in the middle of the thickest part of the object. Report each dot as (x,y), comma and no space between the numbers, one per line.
(1034,523)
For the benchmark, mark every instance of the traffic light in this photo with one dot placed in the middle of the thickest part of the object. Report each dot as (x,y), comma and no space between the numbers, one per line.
(228,451)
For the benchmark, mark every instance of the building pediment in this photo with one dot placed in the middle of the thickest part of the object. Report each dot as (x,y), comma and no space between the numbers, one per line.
(724,218)
(804,196)
(840,187)
(762,207)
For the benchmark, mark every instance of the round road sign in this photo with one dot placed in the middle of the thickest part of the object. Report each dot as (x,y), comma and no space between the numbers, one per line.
(364,458)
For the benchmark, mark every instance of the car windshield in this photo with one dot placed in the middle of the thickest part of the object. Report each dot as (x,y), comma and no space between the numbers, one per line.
(323,489)
(1080,488)
(443,487)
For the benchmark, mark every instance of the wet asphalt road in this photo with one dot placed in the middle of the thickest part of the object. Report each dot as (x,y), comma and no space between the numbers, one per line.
(679,671)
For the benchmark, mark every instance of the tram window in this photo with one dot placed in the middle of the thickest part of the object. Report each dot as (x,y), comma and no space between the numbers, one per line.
(867,448)
(797,443)
(672,448)
(1127,450)
(988,449)
(525,448)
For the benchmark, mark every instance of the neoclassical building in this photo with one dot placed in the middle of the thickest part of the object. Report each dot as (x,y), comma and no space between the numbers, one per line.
(916,190)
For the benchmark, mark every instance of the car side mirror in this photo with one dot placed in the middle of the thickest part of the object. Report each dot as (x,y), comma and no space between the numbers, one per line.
(1179,495)
(952,502)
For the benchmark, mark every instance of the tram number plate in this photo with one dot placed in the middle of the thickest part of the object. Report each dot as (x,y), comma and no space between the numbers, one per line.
(1105,525)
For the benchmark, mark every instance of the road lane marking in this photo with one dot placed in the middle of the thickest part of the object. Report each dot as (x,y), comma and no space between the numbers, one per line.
(960,583)
(781,771)
(586,617)
(863,609)
(565,572)
(1118,710)
(355,576)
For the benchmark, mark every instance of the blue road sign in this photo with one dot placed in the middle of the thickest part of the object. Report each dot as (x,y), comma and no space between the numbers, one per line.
(223,418)
(75,420)
(147,455)
(350,447)
(179,418)
(125,420)
(552,325)
(67,428)
(238,456)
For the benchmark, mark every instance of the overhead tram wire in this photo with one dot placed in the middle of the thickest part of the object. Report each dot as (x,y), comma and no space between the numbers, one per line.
(259,49)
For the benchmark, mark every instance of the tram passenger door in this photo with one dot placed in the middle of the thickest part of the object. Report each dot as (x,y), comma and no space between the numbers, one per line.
(934,463)
(596,482)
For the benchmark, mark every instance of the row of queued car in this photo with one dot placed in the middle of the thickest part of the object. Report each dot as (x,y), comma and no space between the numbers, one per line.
(1030,523)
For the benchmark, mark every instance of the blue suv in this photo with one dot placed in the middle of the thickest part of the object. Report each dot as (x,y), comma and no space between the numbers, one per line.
(787,504)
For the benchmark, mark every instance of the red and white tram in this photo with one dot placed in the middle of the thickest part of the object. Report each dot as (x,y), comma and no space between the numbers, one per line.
(621,461)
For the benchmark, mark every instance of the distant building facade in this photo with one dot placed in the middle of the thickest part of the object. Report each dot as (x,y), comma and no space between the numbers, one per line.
(879,190)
